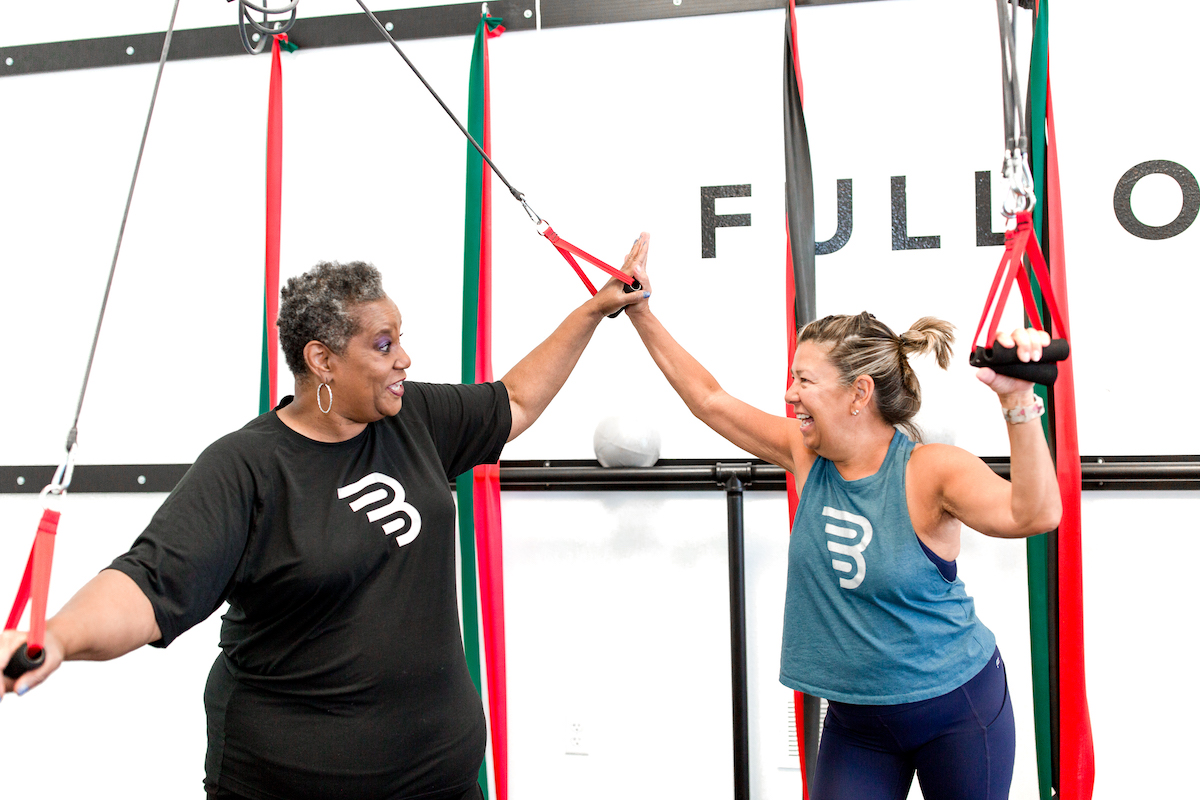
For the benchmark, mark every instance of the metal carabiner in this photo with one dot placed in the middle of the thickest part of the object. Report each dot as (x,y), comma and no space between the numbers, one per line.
(1014,204)
(1020,184)
(534,217)
(61,480)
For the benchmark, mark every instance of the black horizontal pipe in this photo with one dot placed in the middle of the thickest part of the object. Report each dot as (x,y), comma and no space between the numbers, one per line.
(666,475)
(1099,473)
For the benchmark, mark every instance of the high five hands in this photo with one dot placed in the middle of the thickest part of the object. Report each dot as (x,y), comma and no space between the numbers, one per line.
(616,295)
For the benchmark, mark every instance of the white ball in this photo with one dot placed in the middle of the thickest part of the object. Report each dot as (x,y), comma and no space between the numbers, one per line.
(622,442)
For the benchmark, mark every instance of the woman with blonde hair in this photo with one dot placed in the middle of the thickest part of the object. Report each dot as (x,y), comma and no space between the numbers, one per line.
(876,619)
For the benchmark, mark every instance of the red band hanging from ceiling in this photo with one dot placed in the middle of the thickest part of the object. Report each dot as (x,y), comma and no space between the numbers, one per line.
(269,391)
(1077,768)
(485,483)
(800,293)
(790,315)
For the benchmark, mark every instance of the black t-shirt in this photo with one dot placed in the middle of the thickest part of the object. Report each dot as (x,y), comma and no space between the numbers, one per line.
(342,671)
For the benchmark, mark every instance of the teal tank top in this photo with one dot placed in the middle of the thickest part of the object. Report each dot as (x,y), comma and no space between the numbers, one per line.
(868,618)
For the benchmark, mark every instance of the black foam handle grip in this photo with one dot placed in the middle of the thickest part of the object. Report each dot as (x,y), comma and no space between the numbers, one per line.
(629,289)
(1005,362)
(21,662)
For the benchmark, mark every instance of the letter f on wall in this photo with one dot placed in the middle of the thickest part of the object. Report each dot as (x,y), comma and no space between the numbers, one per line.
(710,220)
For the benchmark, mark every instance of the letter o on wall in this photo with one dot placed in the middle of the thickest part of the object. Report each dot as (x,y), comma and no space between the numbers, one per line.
(1187,214)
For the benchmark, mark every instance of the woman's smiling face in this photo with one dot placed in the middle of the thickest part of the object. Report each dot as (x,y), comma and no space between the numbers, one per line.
(368,378)
(816,394)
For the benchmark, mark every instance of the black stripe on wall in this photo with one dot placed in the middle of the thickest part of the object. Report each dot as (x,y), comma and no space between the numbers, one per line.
(458,19)
(307,33)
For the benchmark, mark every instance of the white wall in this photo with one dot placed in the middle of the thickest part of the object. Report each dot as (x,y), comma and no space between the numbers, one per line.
(643,115)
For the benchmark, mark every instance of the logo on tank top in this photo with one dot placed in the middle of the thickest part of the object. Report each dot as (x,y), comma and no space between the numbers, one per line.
(851,555)
(401,520)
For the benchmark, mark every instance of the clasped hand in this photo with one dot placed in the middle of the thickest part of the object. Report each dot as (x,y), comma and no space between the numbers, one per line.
(612,296)
(1029,343)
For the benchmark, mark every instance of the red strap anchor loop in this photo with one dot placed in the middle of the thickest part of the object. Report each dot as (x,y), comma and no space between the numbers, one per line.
(1019,242)
(567,249)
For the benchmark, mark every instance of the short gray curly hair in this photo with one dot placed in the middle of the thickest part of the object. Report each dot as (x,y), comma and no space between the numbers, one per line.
(316,306)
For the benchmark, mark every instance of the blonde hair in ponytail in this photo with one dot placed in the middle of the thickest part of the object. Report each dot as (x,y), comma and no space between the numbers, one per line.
(862,345)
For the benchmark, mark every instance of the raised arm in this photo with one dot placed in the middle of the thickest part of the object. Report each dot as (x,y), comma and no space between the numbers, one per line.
(772,438)
(1029,503)
(108,617)
(534,381)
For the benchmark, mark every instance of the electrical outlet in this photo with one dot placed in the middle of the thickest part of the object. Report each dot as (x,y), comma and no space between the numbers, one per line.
(577,742)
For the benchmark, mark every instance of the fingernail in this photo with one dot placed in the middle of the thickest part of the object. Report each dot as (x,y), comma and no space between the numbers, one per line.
(22,690)
(645,294)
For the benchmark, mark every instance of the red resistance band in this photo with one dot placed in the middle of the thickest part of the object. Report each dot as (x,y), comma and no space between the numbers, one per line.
(274,207)
(1018,243)
(35,583)
(566,248)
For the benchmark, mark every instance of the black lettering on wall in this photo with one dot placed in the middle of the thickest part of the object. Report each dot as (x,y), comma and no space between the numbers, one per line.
(1187,214)
(710,220)
(845,219)
(900,238)
(984,235)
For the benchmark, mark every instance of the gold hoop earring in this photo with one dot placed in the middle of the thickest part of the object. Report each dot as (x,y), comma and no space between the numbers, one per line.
(324,410)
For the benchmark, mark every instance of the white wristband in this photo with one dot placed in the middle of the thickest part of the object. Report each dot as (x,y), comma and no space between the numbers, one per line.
(1015,416)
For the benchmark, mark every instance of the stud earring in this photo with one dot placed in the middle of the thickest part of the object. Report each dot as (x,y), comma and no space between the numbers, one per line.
(855,412)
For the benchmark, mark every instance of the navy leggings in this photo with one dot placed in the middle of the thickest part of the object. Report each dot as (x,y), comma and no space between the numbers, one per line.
(960,745)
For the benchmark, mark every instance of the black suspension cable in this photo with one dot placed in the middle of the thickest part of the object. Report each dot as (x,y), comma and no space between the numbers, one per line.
(515,193)
(73,435)
(1015,136)
(1016,140)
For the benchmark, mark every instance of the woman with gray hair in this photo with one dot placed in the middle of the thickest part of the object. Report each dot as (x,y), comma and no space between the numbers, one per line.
(327,524)
(876,619)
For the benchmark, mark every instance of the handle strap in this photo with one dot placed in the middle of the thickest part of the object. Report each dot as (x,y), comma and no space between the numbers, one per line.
(1019,243)
(567,249)
(35,583)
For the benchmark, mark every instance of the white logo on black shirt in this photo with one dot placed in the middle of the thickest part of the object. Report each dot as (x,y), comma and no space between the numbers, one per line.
(853,551)
(403,520)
